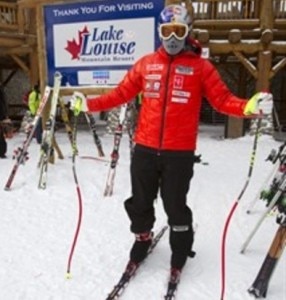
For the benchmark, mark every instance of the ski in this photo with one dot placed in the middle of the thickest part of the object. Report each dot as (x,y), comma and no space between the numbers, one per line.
(92,125)
(21,153)
(173,284)
(276,197)
(277,158)
(46,147)
(131,269)
(66,120)
(115,153)
(102,159)
(260,286)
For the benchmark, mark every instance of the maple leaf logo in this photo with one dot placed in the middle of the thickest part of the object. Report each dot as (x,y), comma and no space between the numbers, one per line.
(73,47)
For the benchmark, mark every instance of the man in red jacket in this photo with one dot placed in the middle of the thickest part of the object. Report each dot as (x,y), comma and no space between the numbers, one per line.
(172,81)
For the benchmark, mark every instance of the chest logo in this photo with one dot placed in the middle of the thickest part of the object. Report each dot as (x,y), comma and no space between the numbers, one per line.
(184,70)
(178,81)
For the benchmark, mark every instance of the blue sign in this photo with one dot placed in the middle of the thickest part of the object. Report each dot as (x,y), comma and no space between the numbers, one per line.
(96,42)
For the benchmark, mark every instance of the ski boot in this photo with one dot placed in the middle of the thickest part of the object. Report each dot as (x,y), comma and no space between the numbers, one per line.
(141,246)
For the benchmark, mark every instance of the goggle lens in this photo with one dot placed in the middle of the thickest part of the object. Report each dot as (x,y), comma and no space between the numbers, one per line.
(179,30)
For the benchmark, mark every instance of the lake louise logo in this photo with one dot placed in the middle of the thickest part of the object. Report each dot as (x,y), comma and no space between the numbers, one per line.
(110,44)
(74,47)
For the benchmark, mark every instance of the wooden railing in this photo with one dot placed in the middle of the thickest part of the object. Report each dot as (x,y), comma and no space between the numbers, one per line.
(234,9)
(244,12)
(280,9)
(12,18)
(218,9)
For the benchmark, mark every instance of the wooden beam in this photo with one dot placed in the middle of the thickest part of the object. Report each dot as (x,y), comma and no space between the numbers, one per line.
(266,14)
(87,90)
(34,4)
(280,65)
(247,64)
(251,48)
(10,42)
(266,36)
(227,24)
(20,63)
(220,47)
(203,36)
(9,77)
(15,50)
(264,68)
(234,36)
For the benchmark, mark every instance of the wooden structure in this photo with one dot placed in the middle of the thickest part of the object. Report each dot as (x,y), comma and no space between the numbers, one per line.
(249,33)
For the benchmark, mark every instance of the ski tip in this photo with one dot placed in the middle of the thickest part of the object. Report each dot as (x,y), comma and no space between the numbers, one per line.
(68,275)
(57,74)
(7,188)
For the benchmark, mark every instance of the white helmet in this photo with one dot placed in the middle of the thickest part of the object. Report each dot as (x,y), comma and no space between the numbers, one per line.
(174,27)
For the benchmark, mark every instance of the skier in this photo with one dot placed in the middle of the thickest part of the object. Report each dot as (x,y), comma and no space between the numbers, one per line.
(6,127)
(173,81)
(34,102)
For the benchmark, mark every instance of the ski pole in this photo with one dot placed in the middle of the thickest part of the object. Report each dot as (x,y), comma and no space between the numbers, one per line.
(75,152)
(223,244)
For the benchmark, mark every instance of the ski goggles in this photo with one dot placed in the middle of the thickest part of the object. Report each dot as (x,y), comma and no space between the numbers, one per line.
(180,31)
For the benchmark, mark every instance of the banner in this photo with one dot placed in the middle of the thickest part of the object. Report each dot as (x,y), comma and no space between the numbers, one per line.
(96,42)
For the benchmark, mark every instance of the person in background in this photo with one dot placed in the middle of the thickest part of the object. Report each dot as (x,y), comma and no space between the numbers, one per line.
(33,103)
(173,80)
(6,127)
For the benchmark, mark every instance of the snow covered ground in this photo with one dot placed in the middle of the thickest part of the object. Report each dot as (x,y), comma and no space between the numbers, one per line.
(37,226)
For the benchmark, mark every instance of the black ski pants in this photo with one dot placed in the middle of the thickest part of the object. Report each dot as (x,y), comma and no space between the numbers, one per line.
(168,172)
(3,143)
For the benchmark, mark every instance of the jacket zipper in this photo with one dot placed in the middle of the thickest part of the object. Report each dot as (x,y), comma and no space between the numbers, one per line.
(164,107)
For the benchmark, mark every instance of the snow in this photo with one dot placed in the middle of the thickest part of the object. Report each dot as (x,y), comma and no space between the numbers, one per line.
(38,226)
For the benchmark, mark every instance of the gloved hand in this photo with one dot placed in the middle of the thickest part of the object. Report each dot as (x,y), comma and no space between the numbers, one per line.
(78,103)
(260,103)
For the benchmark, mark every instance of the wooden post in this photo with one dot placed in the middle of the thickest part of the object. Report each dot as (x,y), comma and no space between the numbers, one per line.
(235,126)
(264,70)
(266,14)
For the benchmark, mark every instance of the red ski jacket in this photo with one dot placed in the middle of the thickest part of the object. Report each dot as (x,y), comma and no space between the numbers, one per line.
(172,90)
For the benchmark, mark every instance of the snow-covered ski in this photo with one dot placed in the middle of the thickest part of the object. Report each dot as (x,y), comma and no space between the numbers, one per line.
(92,125)
(131,269)
(102,159)
(260,286)
(21,153)
(66,120)
(281,187)
(48,134)
(108,191)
